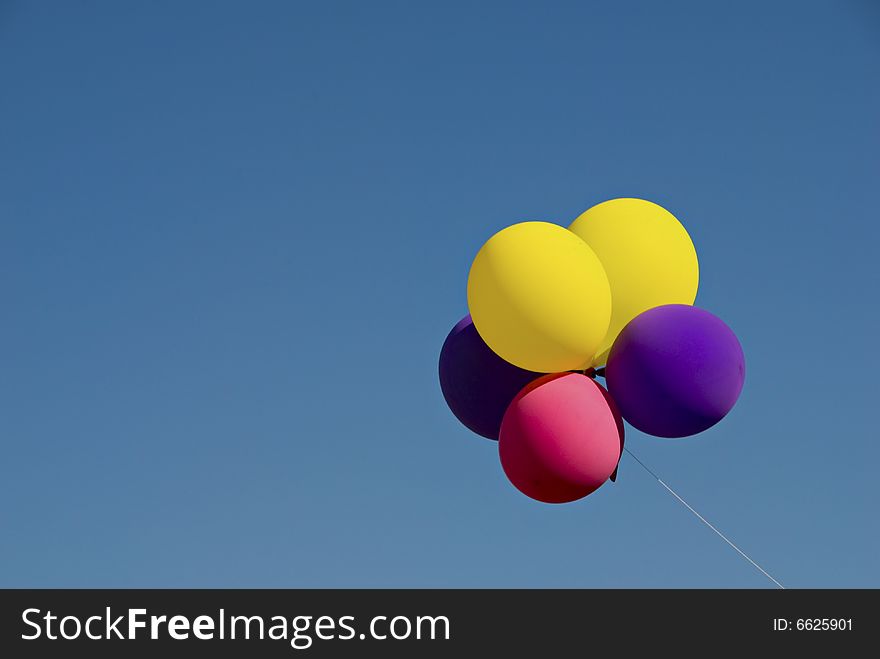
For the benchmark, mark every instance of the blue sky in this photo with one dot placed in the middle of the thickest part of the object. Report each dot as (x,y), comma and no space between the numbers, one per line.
(233,236)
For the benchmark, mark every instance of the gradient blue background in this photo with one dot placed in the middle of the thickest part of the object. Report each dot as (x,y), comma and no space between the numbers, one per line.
(233,237)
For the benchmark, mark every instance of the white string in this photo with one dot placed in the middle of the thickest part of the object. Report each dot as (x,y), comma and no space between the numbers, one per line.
(704,520)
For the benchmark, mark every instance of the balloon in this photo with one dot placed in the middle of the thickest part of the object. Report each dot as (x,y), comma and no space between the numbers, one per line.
(559,438)
(675,370)
(647,254)
(539,297)
(477,384)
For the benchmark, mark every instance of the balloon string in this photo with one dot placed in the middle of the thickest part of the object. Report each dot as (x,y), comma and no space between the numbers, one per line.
(704,520)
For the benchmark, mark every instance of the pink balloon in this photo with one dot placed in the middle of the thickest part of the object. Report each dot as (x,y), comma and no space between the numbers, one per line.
(560,440)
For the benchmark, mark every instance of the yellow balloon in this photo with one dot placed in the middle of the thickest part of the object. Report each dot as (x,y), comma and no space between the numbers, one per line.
(539,297)
(648,255)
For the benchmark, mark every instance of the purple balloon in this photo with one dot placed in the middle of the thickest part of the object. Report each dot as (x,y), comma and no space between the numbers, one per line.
(675,370)
(477,384)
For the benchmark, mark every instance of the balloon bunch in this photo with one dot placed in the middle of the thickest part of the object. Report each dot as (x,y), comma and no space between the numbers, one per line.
(549,306)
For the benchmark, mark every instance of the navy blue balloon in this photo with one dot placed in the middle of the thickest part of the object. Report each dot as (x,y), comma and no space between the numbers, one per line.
(477,384)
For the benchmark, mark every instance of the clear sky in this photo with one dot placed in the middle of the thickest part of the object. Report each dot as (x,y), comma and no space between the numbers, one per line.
(233,236)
